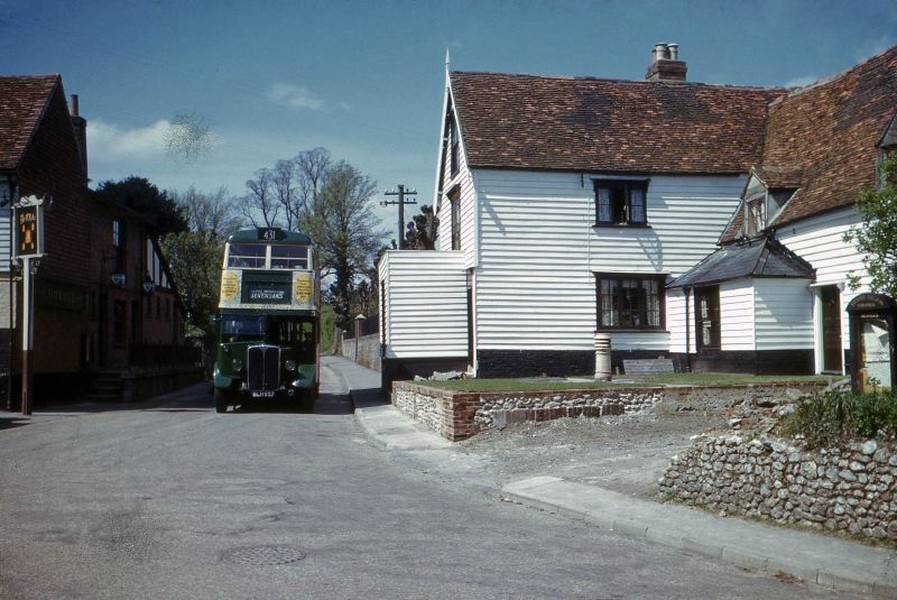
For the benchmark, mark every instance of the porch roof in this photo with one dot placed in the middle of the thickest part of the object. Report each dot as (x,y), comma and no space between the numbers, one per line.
(758,257)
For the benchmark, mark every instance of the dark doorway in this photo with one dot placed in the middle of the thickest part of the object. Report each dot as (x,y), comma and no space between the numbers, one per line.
(707,318)
(832,354)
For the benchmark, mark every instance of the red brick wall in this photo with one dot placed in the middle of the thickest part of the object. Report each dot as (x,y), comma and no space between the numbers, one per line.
(52,168)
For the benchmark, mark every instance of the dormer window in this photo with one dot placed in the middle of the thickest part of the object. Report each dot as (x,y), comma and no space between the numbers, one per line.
(768,190)
(887,145)
(755,217)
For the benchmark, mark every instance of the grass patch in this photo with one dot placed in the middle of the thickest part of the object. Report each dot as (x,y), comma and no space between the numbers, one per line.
(574,383)
(837,417)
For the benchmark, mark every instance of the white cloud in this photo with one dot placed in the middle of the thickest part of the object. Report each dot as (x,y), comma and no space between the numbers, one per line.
(107,141)
(294,96)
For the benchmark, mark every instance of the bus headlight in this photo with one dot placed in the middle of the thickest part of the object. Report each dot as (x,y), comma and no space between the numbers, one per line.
(237,364)
(290,365)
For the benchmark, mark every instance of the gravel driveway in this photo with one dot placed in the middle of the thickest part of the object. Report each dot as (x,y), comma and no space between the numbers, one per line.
(626,453)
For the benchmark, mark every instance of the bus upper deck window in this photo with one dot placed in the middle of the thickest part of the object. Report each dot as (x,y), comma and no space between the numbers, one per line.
(289,257)
(250,256)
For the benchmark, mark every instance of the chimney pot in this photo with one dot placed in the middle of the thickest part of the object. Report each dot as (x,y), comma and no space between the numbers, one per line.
(79,125)
(674,51)
(666,66)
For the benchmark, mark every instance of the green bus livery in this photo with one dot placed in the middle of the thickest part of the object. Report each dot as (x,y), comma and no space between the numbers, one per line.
(269,320)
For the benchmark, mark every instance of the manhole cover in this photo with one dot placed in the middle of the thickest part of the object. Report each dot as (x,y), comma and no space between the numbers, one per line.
(264,555)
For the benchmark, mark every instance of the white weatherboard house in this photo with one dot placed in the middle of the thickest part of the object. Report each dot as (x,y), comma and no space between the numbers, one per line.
(702,223)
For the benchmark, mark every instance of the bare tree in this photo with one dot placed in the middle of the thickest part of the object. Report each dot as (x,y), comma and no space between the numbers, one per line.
(283,184)
(313,165)
(215,214)
(260,206)
(280,196)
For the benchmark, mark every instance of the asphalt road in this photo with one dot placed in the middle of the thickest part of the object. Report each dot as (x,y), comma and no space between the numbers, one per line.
(168,499)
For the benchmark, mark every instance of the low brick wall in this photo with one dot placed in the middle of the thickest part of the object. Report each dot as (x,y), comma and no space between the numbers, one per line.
(450,414)
(459,415)
(848,489)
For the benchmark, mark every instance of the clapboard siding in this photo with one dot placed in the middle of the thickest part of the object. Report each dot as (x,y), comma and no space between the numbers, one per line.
(820,241)
(736,305)
(783,314)
(5,239)
(539,250)
(463,181)
(658,341)
(686,217)
(424,304)
(675,320)
(534,289)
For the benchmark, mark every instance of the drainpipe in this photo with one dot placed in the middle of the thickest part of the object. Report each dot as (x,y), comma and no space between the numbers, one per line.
(687,291)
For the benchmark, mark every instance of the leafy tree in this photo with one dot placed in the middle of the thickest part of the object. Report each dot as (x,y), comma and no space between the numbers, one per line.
(421,231)
(877,238)
(138,194)
(345,230)
(195,255)
(195,261)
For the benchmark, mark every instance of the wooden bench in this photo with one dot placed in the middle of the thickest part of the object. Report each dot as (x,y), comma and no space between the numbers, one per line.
(650,366)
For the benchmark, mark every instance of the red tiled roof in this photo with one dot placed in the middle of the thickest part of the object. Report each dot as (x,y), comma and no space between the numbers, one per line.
(22,102)
(587,124)
(828,131)
(778,178)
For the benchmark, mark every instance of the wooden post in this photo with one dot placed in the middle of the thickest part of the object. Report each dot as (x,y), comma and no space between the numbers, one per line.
(27,334)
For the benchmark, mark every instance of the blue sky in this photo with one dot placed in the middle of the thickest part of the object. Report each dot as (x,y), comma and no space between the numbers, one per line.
(364,79)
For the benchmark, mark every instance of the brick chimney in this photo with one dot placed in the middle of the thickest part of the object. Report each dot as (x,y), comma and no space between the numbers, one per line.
(665,64)
(79,124)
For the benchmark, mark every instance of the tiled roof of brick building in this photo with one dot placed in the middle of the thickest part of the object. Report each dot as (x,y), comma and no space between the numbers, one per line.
(23,100)
(602,125)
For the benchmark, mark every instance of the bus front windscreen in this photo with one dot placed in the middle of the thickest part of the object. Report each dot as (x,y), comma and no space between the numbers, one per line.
(242,328)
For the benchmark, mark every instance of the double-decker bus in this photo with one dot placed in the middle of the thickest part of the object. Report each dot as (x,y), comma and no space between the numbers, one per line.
(269,320)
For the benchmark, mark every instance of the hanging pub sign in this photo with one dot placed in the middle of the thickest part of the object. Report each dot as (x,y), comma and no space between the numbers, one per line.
(28,232)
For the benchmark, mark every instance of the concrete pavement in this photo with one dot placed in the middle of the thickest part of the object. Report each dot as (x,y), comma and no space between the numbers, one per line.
(826,560)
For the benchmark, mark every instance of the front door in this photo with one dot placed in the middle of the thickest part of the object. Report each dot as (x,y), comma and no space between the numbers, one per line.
(831,329)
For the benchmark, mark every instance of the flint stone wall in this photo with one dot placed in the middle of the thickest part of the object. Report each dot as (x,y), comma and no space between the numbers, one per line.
(837,489)
(459,415)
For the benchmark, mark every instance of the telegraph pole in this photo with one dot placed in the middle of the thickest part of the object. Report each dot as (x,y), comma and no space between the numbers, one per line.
(402,201)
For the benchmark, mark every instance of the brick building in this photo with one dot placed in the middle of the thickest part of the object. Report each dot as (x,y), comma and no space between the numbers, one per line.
(102,292)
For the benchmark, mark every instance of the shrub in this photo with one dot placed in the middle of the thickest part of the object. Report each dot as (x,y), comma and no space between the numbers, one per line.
(836,417)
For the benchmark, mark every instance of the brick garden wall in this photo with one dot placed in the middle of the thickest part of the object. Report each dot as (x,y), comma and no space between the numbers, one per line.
(459,415)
